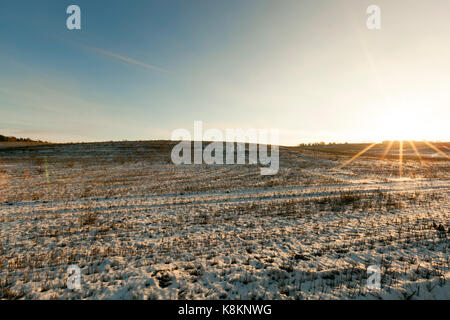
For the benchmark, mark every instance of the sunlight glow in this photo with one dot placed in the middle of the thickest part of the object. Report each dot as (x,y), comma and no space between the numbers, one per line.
(401,150)
(388,148)
(406,119)
(416,151)
(437,149)
(400,158)
(357,155)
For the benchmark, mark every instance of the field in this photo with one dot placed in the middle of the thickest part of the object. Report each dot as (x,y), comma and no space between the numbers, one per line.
(140,227)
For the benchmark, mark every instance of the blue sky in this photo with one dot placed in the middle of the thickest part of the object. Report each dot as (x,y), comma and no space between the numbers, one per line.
(141,69)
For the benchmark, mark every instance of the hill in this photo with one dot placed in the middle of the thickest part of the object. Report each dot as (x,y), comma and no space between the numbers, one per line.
(14,139)
(10,142)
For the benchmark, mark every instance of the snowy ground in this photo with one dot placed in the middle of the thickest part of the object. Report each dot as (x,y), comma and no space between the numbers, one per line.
(142,228)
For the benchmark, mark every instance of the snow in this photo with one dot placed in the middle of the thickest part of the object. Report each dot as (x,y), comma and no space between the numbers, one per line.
(140,227)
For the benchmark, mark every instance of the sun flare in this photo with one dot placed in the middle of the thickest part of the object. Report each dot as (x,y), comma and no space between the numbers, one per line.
(405,122)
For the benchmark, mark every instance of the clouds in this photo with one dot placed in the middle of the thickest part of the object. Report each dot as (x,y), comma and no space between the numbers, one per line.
(125,59)
(140,70)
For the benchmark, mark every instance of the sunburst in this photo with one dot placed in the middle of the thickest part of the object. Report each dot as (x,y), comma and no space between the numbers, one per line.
(401,146)
(413,145)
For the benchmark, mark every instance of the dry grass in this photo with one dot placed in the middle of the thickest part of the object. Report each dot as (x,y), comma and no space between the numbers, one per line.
(129,218)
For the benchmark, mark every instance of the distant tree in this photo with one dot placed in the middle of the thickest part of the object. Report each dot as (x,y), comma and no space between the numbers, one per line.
(14,139)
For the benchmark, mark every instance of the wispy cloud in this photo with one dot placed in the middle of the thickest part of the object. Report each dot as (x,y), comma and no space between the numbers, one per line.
(125,59)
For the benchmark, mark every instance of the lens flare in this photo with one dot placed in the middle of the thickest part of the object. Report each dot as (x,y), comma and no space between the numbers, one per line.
(401,153)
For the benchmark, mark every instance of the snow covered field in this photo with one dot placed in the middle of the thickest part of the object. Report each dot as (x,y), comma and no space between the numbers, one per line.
(140,227)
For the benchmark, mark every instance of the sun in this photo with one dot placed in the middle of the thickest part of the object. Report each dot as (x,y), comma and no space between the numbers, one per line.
(405,123)
(402,127)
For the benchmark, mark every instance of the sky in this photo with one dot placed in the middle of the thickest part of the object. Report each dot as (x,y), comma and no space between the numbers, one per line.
(138,70)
